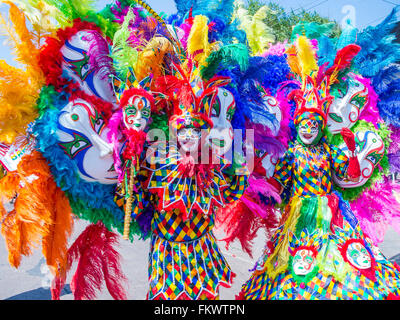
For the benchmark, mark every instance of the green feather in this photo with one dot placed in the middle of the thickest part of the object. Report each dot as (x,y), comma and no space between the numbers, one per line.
(228,56)
(123,55)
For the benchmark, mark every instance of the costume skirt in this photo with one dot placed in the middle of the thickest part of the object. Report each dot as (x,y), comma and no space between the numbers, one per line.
(320,253)
(187,270)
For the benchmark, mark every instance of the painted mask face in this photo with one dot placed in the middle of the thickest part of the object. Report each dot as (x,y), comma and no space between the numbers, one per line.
(93,80)
(221,113)
(351,96)
(82,135)
(303,262)
(358,256)
(370,150)
(189,138)
(137,113)
(308,131)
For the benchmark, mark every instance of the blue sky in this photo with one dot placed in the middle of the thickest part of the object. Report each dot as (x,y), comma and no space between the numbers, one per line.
(361,12)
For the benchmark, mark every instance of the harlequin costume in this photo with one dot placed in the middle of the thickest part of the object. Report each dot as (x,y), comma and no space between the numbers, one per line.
(319,250)
(184,194)
(90,79)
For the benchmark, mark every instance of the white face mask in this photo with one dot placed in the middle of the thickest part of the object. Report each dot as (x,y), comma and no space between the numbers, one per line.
(358,256)
(370,150)
(347,105)
(221,114)
(136,113)
(76,63)
(308,131)
(303,262)
(83,136)
(189,139)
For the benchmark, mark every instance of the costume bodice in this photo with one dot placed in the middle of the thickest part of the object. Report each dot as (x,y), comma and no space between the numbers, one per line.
(184,204)
(309,168)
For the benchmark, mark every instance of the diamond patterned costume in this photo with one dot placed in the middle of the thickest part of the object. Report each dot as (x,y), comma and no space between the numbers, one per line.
(314,207)
(184,259)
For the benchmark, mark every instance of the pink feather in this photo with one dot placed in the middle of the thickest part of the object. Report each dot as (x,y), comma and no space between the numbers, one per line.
(377,209)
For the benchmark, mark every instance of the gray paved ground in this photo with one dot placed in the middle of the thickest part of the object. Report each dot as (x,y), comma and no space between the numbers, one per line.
(30,280)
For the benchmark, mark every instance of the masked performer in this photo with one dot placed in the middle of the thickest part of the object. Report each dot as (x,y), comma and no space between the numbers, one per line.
(319,251)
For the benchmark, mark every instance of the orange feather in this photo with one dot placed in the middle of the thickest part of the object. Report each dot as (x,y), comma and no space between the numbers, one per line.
(42,214)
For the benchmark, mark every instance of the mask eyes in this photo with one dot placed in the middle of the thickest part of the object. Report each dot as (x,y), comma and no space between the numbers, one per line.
(189,133)
(372,159)
(308,260)
(131,110)
(354,254)
(231,111)
(216,109)
(96,122)
(84,71)
(146,113)
(296,258)
(75,146)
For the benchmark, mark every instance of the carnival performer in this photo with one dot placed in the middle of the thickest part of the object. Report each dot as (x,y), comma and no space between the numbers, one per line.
(185,189)
(319,250)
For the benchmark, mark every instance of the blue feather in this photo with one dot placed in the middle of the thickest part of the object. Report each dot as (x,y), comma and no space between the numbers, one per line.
(387,85)
(378,46)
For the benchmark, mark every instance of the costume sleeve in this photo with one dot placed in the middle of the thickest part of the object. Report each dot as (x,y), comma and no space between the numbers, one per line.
(284,168)
(236,189)
(237,176)
(339,161)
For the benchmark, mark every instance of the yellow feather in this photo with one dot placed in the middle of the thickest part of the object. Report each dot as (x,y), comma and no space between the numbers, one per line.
(259,34)
(19,88)
(198,44)
(150,59)
(306,56)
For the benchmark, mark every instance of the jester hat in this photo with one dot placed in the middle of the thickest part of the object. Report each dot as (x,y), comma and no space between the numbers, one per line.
(313,99)
(132,87)
(184,95)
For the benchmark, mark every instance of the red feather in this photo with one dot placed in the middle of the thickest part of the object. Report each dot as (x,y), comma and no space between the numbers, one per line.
(343,59)
(98,262)
(239,222)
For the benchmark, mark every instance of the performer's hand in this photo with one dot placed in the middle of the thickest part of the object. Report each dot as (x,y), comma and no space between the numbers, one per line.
(348,138)
(353,170)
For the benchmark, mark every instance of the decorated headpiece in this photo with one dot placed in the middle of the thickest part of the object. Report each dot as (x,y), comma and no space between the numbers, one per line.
(312,102)
(124,90)
(313,99)
(184,93)
(313,241)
